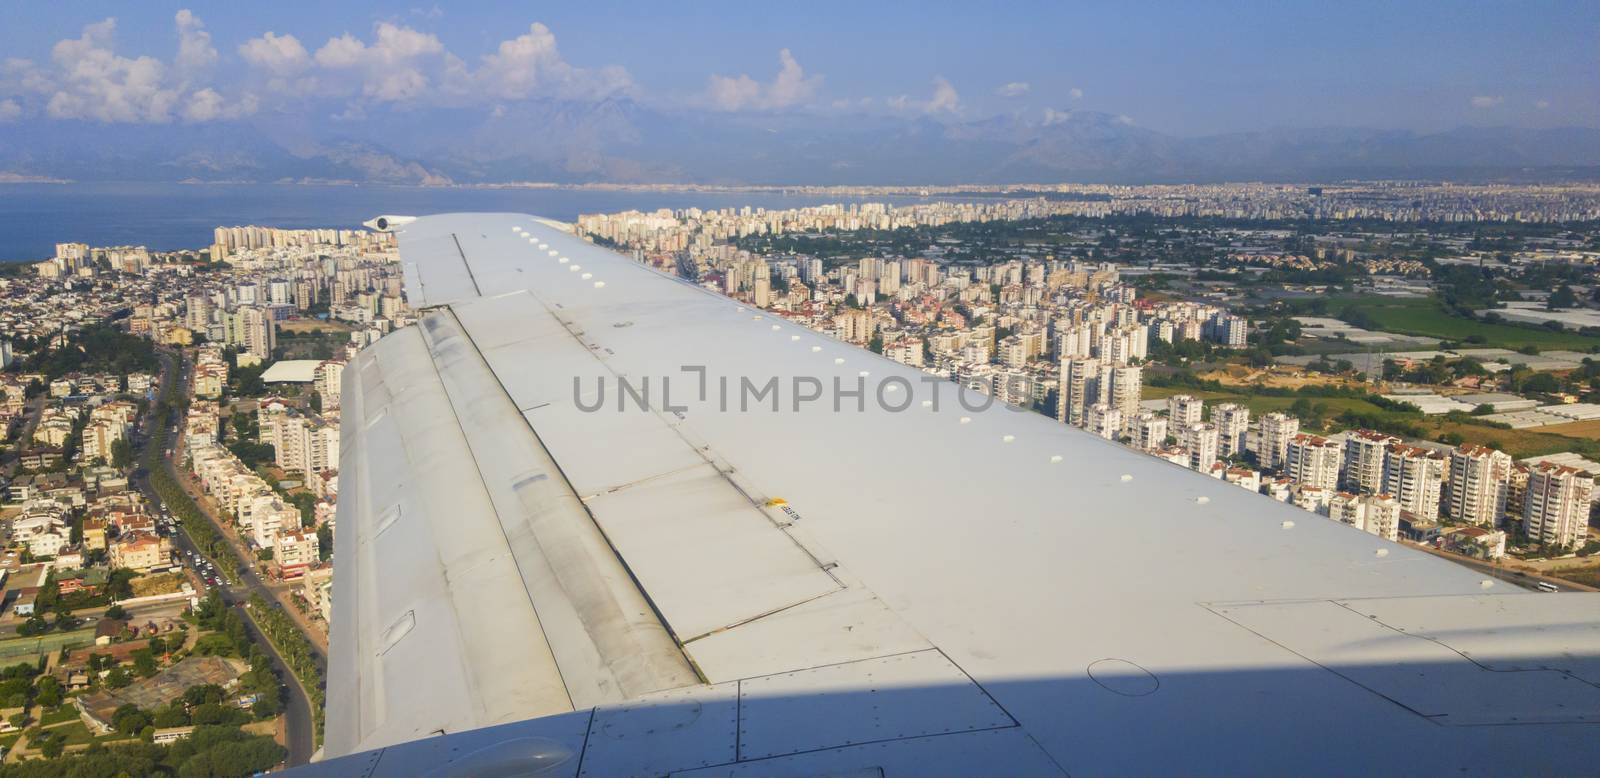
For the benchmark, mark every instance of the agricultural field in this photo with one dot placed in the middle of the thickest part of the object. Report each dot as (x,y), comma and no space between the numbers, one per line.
(1425,316)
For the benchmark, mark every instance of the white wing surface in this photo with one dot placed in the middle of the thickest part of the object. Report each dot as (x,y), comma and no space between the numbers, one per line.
(798,558)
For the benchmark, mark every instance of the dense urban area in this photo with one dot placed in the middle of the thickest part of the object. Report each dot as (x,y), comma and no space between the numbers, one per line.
(171,467)
(1415,360)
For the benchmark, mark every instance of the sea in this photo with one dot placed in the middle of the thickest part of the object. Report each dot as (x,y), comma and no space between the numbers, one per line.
(168,217)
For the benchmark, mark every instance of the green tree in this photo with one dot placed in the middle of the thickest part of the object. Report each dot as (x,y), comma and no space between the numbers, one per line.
(266,706)
(1562,297)
(47,692)
(1541,382)
(129,720)
(203,693)
(171,716)
(121,453)
(144,663)
(117,678)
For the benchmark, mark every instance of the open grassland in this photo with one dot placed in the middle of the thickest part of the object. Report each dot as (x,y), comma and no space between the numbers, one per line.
(1577,429)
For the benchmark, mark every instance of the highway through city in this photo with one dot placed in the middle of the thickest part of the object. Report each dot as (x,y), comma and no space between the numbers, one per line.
(298,720)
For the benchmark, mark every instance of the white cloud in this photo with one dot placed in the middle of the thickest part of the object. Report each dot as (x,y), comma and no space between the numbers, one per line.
(1013,89)
(1052,116)
(280,55)
(1487,101)
(790,87)
(945,98)
(21,77)
(393,68)
(1075,93)
(1542,105)
(208,105)
(10,111)
(530,65)
(400,65)
(93,82)
(195,52)
(86,79)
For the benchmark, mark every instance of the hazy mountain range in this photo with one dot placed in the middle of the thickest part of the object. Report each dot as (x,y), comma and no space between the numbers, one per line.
(625,142)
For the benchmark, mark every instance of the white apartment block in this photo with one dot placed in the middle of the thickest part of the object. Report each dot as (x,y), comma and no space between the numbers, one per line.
(1478,483)
(329,376)
(1276,430)
(1364,452)
(268,521)
(1104,420)
(300,443)
(1314,461)
(1184,411)
(1414,477)
(1201,440)
(1378,514)
(1081,387)
(1233,427)
(1127,388)
(1556,505)
(1148,431)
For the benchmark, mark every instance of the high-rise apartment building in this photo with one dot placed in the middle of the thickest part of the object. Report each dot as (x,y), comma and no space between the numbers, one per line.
(1081,387)
(1556,506)
(1415,477)
(1127,386)
(1478,485)
(1184,410)
(1233,426)
(1148,430)
(1313,460)
(1364,452)
(1201,440)
(1276,430)
(1105,420)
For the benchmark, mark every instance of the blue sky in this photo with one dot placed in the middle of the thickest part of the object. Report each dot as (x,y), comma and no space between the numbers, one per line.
(1180,68)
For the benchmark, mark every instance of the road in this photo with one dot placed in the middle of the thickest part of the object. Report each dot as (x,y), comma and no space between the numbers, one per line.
(35,408)
(1514,577)
(297,711)
(298,722)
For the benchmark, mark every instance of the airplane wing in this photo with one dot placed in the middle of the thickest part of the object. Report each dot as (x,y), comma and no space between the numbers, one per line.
(596,520)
